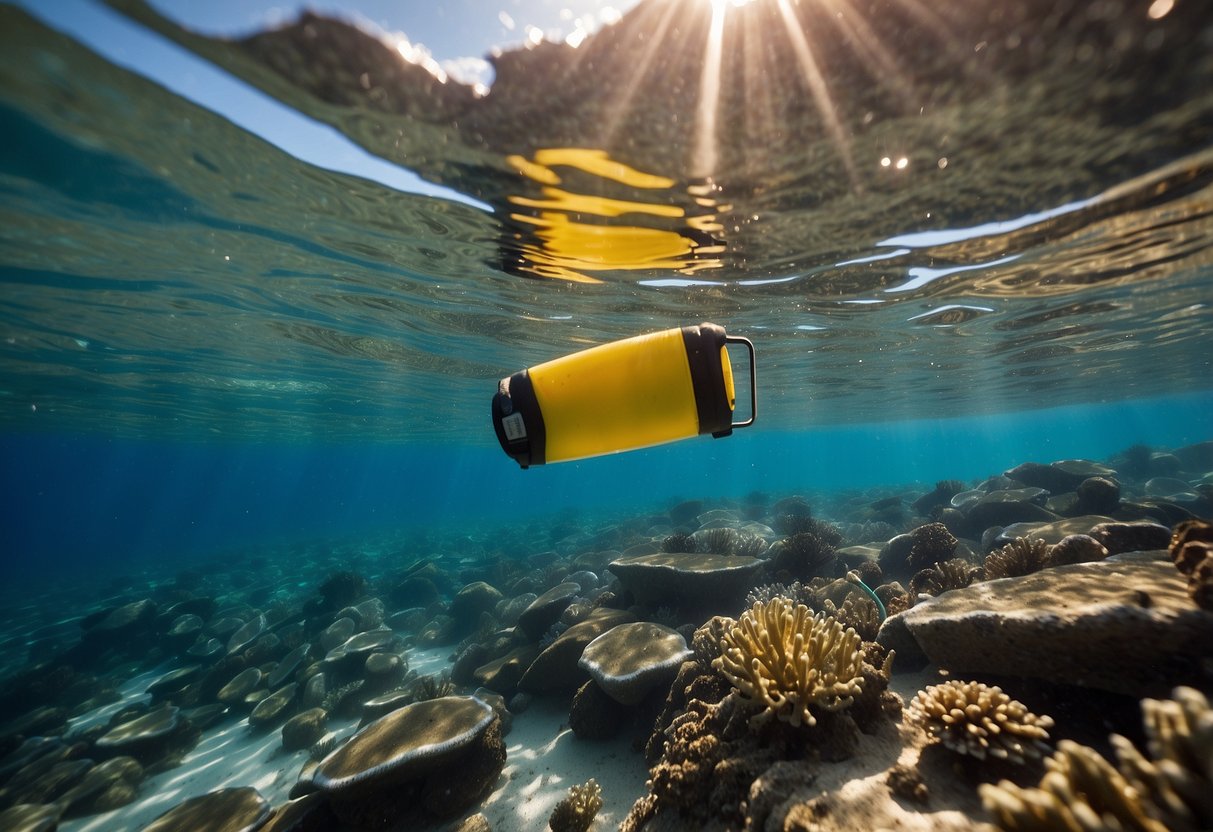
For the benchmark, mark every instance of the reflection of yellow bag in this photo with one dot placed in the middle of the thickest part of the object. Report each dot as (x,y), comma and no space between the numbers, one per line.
(628,394)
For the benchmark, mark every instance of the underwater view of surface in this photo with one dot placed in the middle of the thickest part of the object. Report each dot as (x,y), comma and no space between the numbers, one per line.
(263,563)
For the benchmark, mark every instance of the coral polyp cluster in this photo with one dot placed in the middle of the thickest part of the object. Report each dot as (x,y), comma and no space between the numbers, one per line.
(1170,791)
(979,720)
(578,809)
(786,661)
(1022,556)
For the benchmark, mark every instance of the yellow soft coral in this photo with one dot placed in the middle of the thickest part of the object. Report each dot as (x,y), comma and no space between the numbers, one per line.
(1080,791)
(1169,791)
(782,659)
(577,811)
(979,720)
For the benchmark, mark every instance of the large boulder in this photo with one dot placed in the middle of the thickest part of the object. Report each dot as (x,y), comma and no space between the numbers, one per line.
(631,660)
(663,578)
(556,668)
(431,759)
(545,610)
(1056,477)
(1124,625)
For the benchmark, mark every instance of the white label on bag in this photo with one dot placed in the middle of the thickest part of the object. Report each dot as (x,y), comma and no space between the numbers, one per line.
(514,427)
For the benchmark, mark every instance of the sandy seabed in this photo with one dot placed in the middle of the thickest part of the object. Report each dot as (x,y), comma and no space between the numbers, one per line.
(543,760)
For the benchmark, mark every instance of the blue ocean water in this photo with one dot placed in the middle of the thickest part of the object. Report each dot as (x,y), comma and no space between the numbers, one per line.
(259,286)
(109,505)
(209,343)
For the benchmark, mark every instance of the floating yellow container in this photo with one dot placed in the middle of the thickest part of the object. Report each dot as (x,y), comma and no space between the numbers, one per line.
(628,394)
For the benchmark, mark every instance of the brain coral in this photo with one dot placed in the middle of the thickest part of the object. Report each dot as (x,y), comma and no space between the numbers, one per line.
(979,720)
(784,660)
(1172,791)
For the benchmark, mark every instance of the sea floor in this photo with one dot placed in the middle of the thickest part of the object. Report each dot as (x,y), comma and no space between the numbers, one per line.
(202,651)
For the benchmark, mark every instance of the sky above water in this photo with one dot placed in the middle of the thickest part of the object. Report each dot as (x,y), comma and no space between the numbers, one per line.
(457,35)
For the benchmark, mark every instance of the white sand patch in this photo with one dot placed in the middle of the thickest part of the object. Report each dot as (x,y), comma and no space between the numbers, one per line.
(228,757)
(132,692)
(431,660)
(544,758)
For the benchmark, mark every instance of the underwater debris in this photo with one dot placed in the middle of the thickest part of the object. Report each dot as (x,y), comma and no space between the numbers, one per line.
(786,661)
(1022,556)
(1172,791)
(979,720)
(577,811)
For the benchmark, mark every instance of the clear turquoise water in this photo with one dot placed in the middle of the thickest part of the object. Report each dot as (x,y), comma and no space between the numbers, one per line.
(210,344)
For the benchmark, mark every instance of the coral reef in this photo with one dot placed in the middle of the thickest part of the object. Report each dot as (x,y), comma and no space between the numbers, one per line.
(858,613)
(931,543)
(705,643)
(679,542)
(978,720)
(1080,791)
(809,594)
(717,541)
(434,686)
(808,554)
(1022,556)
(787,662)
(1192,552)
(1172,791)
(715,767)
(949,574)
(577,811)
(1177,778)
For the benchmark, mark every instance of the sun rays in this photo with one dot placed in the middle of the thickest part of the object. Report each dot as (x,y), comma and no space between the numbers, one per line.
(735,78)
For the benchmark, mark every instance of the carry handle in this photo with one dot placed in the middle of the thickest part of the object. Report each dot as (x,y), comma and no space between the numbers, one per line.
(737,339)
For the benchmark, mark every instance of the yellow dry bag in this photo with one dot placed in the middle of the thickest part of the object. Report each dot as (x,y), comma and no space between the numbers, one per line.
(620,396)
